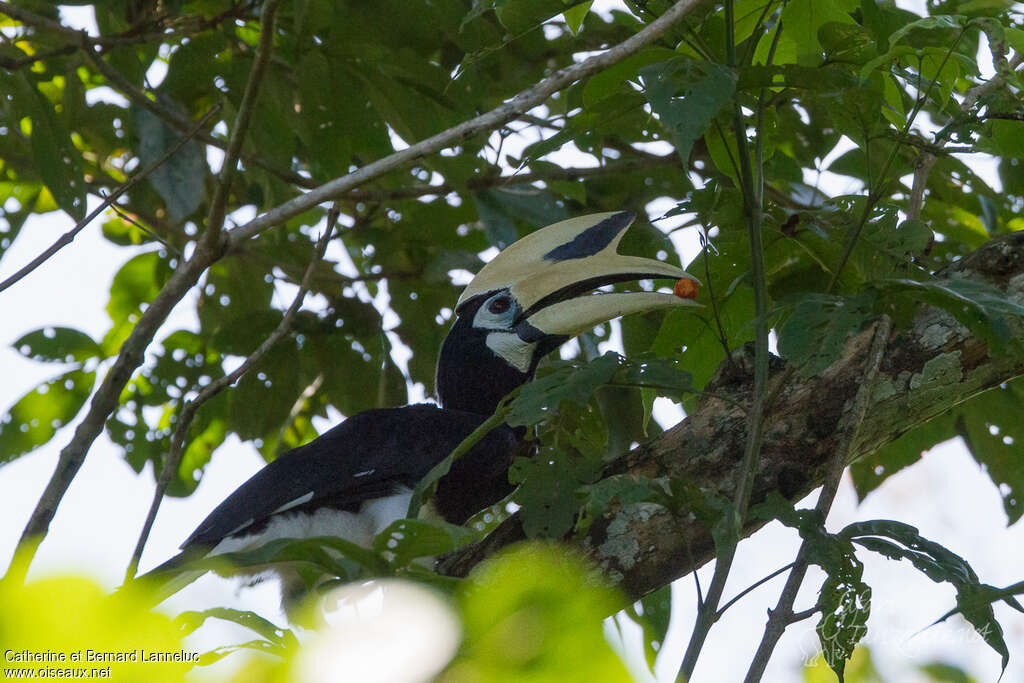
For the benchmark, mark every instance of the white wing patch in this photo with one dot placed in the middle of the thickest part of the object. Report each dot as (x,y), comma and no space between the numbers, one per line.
(295,503)
(360,527)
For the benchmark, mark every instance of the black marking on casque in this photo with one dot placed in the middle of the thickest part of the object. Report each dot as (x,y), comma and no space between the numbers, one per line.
(593,239)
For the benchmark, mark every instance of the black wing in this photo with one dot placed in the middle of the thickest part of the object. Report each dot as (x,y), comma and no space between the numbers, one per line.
(368,456)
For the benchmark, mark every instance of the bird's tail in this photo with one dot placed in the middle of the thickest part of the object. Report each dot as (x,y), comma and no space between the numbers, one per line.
(173,575)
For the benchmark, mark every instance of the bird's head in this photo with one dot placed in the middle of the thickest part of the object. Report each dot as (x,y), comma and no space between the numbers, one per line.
(535,295)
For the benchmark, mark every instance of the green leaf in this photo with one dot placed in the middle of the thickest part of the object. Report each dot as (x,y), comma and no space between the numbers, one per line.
(686,95)
(574,17)
(328,554)
(37,415)
(179,180)
(605,83)
(845,602)
(802,20)
(547,488)
(817,327)
(58,345)
(573,383)
(408,539)
(534,614)
(134,286)
(58,162)
(982,307)
(994,433)
(665,376)
(899,541)
(652,613)
(624,489)
(520,16)
(190,621)
(497,208)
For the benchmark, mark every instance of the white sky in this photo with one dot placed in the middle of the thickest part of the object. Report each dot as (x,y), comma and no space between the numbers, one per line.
(946,496)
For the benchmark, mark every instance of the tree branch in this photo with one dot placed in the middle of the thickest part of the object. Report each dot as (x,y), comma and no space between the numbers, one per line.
(780,617)
(499,116)
(188,413)
(927,158)
(926,369)
(218,204)
(106,398)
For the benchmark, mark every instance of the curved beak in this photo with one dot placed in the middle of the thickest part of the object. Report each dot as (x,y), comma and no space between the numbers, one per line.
(553,274)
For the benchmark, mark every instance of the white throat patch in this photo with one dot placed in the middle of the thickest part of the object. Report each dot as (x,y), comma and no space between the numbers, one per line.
(515,351)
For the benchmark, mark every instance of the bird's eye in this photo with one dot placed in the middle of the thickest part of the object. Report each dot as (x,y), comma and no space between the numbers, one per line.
(499,305)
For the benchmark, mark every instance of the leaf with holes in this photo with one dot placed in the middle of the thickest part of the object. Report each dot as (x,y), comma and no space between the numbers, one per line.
(58,345)
(37,415)
(982,307)
(547,493)
(569,382)
(991,427)
(817,327)
(408,539)
(899,541)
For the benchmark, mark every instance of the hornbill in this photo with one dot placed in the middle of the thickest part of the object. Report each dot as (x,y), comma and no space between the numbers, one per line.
(357,478)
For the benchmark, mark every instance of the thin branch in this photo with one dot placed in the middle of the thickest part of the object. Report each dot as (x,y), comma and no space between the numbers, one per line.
(70,235)
(753,196)
(105,400)
(875,191)
(754,586)
(780,617)
(188,413)
(28,60)
(497,117)
(132,36)
(218,204)
(123,215)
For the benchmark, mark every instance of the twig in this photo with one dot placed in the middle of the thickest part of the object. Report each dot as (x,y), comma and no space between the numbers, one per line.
(123,215)
(70,235)
(783,615)
(753,197)
(927,158)
(754,586)
(27,60)
(105,400)
(218,204)
(131,37)
(876,193)
(497,117)
(188,413)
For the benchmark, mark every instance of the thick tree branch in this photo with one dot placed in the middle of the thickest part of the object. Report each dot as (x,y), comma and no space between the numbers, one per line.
(106,398)
(926,369)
